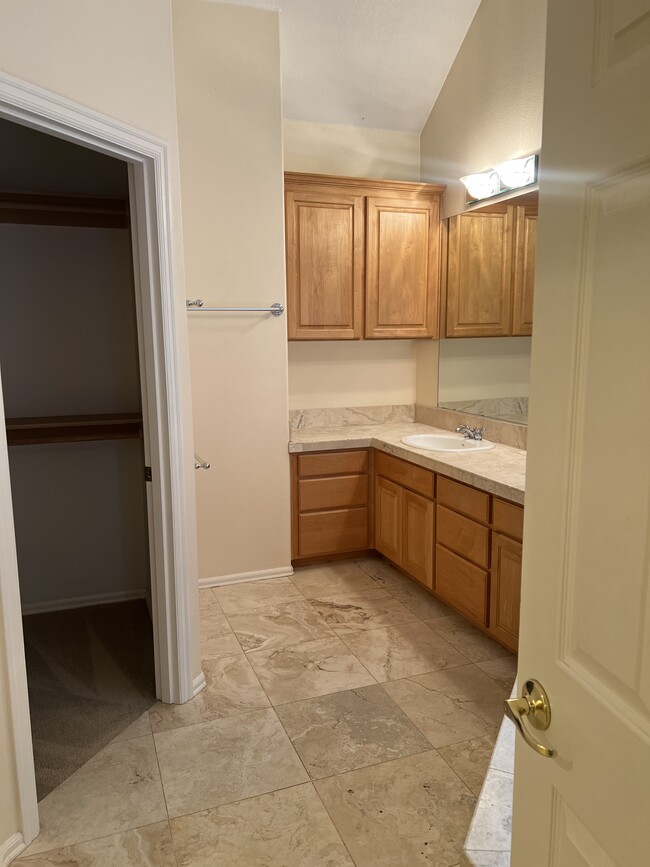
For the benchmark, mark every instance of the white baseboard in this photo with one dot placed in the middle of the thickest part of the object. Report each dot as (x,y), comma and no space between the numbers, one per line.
(198,684)
(11,849)
(82,601)
(241,577)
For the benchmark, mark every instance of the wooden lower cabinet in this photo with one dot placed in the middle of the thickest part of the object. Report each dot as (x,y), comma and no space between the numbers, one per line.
(505,590)
(462,584)
(335,531)
(459,542)
(330,504)
(388,523)
(417,537)
(404,529)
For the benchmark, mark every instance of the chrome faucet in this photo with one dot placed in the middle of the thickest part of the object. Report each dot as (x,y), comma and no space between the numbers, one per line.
(471,433)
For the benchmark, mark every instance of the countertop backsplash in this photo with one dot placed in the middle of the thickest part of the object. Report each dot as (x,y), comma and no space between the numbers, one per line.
(342,416)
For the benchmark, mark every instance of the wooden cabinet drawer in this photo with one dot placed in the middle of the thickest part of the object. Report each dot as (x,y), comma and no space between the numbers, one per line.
(333,492)
(332,532)
(462,584)
(405,474)
(464,499)
(508,518)
(463,536)
(333,463)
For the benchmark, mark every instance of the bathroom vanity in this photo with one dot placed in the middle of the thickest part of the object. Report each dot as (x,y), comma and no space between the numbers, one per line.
(452,523)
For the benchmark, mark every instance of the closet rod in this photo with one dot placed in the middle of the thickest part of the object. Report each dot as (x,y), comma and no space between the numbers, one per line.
(196,306)
(200,464)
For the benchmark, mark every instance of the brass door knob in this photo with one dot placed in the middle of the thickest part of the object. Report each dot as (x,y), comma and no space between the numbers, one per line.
(535,706)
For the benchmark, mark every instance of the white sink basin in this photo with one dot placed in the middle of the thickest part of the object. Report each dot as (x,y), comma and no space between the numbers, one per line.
(446,443)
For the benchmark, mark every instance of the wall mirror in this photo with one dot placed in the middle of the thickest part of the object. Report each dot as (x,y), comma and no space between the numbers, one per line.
(486,325)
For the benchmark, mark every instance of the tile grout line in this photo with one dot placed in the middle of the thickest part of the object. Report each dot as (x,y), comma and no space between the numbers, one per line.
(311,783)
(23,856)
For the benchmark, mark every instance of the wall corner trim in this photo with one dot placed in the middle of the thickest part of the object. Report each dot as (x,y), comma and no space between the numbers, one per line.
(198,684)
(11,848)
(241,577)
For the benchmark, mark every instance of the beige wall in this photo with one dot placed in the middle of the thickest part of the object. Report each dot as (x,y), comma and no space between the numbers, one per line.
(490,106)
(325,373)
(346,373)
(426,380)
(333,149)
(230,132)
(115,58)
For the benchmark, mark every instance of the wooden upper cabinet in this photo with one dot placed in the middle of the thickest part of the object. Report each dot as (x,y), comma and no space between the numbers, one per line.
(524,272)
(325,247)
(479,274)
(361,252)
(490,273)
(402,267)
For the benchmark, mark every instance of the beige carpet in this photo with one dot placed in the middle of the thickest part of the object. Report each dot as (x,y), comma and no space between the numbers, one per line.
(90,673)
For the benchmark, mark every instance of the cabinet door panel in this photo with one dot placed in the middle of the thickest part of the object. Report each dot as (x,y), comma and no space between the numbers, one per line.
(325,243)
(479,273)
(388,524)
(402,267)
(417,537)
(524,273)
(505,590)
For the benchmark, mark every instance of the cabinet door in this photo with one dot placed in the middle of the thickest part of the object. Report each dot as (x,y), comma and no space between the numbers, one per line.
(417,537)
(505,590)
(479,274)
(524,273)
(388,523)
(402,267)
(324,244)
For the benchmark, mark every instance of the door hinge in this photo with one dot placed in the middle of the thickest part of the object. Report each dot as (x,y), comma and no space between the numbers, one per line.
(147,474)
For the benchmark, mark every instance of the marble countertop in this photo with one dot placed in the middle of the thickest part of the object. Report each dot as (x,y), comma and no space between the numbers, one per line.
(500,471)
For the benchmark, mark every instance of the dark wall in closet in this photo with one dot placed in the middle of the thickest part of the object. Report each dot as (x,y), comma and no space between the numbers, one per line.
(68,347)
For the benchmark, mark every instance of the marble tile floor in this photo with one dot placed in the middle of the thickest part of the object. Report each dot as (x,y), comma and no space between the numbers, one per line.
(348,719)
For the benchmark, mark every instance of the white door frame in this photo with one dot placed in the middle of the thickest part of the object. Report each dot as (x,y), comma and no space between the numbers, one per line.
(149,181)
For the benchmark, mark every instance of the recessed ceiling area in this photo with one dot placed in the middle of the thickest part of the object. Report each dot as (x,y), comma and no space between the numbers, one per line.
(374,63)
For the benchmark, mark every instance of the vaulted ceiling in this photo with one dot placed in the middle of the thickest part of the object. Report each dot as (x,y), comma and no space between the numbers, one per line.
(374,63)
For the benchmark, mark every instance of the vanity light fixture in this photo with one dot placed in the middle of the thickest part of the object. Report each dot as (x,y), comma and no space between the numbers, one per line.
(509,175)
(482,185)
(517,173)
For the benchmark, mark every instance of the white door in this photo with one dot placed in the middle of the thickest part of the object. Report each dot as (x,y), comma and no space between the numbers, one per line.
(586,586)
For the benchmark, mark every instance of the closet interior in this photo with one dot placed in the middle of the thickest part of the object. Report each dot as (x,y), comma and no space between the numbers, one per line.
(69,364)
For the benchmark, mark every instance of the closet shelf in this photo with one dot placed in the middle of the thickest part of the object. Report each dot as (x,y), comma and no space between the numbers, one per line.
(73,428)
(50,210)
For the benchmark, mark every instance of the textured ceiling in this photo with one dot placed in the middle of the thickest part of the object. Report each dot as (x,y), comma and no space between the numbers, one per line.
(375,63)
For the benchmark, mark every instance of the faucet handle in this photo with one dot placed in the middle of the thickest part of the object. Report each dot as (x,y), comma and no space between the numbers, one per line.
(472,433)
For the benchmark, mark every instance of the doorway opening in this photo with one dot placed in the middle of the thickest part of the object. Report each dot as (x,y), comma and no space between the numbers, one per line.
(166,431)
(73,412)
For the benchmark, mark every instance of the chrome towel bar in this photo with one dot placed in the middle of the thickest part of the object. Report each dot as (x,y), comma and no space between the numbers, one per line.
(196,306)
(200,464)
